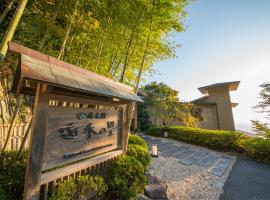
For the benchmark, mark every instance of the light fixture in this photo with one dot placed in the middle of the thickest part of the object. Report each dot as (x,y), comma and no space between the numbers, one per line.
(154,152)
(165,134)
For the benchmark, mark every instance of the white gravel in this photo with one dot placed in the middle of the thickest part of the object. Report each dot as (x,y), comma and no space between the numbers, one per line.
(192,182)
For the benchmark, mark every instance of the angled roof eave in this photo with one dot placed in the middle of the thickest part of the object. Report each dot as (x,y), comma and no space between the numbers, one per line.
(231,85)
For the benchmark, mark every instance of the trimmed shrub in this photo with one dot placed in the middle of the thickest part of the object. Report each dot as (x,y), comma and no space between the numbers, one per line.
(84,187)
(12,173)
(215,139)
(126,178)
(135,139)
(2,194)
(256,148)
(139,153)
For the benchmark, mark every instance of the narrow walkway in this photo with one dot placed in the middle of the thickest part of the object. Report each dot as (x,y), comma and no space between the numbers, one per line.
(190,172)
(248,180)
(188,155)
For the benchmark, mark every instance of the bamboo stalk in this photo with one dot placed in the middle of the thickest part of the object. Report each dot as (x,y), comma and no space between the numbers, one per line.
(11,29)
(24,139)
(14,118)
(5,12)
(103,40)
(63,46)
(141,69)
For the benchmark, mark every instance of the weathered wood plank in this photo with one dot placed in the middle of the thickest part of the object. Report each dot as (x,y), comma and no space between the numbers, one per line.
(74,134)
(36,150)
(67,170)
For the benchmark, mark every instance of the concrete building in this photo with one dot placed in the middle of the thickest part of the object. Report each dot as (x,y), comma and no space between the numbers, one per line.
(215,107)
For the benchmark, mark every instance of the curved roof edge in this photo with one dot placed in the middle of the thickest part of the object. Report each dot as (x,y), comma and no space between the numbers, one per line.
(40,67)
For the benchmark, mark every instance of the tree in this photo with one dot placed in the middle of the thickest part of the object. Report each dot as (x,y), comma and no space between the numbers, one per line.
(118,39)
(262,129)
(166,103)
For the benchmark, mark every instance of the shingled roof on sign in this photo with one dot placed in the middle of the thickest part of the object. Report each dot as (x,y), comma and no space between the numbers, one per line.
(35,66)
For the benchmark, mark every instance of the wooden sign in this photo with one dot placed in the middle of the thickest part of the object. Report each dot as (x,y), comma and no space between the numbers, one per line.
(77,133)
(81,119)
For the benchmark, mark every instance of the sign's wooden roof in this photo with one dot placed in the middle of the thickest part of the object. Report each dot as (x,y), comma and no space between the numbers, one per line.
(39,67)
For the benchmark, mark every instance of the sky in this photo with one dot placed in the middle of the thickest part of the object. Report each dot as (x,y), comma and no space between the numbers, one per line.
(225,40)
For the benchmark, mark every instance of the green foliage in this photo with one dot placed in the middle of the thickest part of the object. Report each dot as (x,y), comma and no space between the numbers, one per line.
(2,194)
(84,187)
(216,139)
(164,102)
(135,139)
(140,153)
(261,129)
(126,177)
(256,148)
(253,147)
(108,37)
(264,96)
(12,173)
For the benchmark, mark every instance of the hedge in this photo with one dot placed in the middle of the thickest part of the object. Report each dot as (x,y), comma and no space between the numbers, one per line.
(253,147)
(127,174)
(140,153)
(12,175)
(126,177)
(135,139)
(83,187)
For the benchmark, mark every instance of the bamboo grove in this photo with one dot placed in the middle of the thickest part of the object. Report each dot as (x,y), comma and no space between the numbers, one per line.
(120,39)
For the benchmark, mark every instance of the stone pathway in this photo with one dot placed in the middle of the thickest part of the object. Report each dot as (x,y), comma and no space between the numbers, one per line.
(188,155)
(189,171)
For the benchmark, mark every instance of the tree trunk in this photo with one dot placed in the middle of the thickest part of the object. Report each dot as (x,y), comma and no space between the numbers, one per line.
(103,39)
(141,69)
(11,29)
(62,50)
(7,9)
(117,67)
(128,47)
(47,33)
(80,55)
(145,50)
(117,49)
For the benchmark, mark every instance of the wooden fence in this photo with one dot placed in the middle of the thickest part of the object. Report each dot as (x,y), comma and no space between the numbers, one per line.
(95,166)
(16,137)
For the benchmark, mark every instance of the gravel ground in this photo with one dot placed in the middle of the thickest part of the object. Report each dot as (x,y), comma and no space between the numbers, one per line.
(192,182)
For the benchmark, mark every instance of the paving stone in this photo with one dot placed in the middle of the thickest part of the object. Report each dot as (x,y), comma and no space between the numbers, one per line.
(184,153)
(217,170)
(187,160)
(198,155)
(169,153)
(207,160)
(174,151)
(166,148)
(223,162)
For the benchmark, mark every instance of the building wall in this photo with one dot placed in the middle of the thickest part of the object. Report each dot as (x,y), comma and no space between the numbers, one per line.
(209,115)
(221,96)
